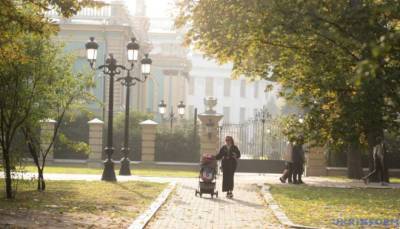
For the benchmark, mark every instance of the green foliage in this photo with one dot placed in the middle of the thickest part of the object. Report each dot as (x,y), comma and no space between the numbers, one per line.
(292,128)
(60,91)
(177,145)
(30,68)
(135,136)
(135,117)
(336,156)
(73,138)
(29,15)
(37,83)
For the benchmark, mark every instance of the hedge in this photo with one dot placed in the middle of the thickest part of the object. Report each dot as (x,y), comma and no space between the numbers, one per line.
(179,145)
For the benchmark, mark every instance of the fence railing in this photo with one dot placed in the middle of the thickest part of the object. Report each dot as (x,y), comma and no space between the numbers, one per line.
(256,139)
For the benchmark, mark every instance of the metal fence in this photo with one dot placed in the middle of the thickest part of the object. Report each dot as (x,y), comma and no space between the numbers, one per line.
(256,139)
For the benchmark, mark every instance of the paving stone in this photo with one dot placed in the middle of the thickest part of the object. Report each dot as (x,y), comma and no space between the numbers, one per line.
(184,210)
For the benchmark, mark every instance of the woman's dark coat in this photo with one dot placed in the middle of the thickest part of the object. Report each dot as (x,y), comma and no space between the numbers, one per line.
(298,159)
(229,164)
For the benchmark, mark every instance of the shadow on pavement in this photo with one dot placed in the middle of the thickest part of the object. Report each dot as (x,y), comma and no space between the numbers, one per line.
(248,204)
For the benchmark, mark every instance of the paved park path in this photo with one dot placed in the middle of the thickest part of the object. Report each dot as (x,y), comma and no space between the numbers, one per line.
(184,210)
(240,178)
(246,210)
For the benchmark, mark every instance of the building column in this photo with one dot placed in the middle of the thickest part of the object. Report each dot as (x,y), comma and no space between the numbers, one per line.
(315,162)
(95,143)
(149,129)
(46,135)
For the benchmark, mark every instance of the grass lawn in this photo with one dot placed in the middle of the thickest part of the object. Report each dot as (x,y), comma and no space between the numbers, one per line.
(343,178)
(320,207)
(141,170)
(395,180)
(73,204)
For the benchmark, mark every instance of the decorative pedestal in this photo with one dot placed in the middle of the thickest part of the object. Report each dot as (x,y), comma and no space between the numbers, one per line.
(316,162)
(46,135)
(209,128)
(95,143)
(149,129)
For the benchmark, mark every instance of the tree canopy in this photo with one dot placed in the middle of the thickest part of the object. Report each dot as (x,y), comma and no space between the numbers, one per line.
(339,60)
(30,15)
(35,79)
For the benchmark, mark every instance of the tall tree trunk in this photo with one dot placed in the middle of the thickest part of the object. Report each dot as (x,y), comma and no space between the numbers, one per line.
(41,183)
(354,166)
(7,172)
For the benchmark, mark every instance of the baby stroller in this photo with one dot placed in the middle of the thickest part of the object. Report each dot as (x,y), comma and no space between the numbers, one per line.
(207,176)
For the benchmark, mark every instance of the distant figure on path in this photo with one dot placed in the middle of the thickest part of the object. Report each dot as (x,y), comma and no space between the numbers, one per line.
(298,161)
(380,162)
(229,153)
(287,173)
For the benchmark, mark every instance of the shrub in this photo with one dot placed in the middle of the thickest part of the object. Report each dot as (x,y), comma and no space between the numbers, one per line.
(337,155)
(135,136)
(178,145)
(73,139)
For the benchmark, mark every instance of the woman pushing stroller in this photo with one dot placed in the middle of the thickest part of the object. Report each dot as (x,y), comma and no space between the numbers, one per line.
(229,153)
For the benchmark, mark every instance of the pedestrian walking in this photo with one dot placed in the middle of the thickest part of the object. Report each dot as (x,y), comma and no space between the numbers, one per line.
(298,161)
(229,153)
(380,162)
(287,173)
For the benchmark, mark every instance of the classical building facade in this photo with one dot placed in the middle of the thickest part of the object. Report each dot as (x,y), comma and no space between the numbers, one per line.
(238,99)
(112,26)
(171,66)
(178,74)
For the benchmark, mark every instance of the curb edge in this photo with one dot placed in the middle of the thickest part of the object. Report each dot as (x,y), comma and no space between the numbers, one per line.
(142,220)
(277,211)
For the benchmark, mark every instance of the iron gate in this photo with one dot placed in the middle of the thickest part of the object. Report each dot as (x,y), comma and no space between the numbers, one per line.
(261,143)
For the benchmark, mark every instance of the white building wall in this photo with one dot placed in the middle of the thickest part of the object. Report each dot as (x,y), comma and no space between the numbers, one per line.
(202,69)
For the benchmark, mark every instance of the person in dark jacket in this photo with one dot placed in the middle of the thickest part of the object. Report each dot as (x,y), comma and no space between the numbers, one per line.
(380,162)
(229,153)
(298,161)
(287,173)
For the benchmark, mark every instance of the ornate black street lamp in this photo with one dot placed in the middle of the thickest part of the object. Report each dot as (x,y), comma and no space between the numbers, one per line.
(162,108)
(128,81)
(111,68)
(263,115)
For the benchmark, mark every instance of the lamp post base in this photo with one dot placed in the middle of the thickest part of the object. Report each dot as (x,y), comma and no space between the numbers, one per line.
(125,167)
(108,172)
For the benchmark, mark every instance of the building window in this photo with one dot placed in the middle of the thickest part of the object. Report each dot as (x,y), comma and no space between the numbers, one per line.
(209,87)
(243,88)
(191,85)
(227,114)
(256,89)
(227,87)
(242,114)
